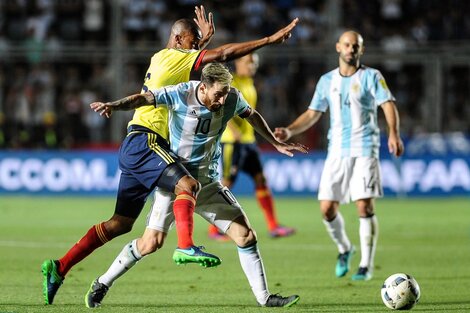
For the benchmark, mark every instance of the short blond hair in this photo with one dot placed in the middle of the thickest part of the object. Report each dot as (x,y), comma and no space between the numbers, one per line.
(216,72)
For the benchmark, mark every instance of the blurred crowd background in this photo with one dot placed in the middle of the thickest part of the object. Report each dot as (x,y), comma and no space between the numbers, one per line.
(57,56)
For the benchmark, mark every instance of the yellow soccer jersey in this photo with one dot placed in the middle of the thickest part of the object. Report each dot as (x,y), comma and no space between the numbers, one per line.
(247,87)
(167,67)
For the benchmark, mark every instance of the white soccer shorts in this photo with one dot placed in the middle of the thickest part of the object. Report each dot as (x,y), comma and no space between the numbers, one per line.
(215,203)
(350,179)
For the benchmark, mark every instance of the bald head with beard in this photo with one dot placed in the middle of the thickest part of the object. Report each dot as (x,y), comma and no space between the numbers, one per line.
(350,47)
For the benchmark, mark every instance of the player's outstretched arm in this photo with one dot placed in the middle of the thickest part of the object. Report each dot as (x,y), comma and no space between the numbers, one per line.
(205,24)
(261,127)
(395,144)
(301,124)
(124,104)
(233,51)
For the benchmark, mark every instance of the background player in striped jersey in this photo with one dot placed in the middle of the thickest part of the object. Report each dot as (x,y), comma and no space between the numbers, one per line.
(145,158)
(199,112)
(240,152)
(352,92)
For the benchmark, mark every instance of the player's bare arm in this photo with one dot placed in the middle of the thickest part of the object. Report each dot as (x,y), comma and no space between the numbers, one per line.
(205,24)
(232,51)
(262,128)
(124,104)
(395,144)
(301,124)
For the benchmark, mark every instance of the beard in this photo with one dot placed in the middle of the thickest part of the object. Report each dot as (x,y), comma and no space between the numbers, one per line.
(349,59)
(215,108)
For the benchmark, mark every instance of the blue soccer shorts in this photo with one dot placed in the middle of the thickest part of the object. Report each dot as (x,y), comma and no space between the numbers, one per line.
(144,157)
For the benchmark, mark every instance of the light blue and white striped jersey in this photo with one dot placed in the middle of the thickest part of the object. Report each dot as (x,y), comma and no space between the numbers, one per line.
(353,103)
(195,131)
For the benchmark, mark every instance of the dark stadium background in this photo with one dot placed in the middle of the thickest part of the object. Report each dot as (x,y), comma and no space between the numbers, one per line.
(57,56)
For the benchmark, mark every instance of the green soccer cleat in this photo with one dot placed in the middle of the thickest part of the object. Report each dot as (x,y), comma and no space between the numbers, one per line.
(277,300)
(363,273)
(52,280)
(95,294)
(343,263)
(195,255)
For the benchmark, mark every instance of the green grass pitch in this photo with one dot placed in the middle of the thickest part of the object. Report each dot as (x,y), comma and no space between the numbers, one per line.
(429,239)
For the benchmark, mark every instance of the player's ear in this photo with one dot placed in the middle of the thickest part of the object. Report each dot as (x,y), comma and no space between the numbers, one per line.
(362,49)
(338,47)
(178,40)
(203,88)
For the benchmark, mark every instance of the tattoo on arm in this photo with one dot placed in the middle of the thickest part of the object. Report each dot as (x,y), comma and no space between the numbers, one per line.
(133,101)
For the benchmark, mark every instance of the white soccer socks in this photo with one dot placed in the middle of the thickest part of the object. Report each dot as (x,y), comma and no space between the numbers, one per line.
(128,257)
(252,265)
(368,234)
(337,232)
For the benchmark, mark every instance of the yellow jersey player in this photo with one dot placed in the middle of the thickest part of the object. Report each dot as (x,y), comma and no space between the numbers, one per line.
(240,152)
(147,162)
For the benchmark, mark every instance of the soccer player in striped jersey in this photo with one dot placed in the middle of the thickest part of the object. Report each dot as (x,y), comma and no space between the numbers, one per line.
(352,93)
(145,158)
(199,112)
(240,152)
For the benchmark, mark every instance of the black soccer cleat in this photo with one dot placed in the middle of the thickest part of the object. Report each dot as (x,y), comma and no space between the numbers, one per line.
(95,294)
(363,273)
(277,300)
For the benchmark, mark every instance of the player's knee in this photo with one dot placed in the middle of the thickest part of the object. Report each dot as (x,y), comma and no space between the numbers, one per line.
(241,232)
(365,207)
(328,209)
(189,185)
(246,237)
(195,186)
(328,215)
(243,236)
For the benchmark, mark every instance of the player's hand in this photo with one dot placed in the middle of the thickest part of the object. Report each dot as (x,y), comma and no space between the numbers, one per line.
(205,24)
(286,148)
(395,145)
(104,109)
(282,134)
(283,34)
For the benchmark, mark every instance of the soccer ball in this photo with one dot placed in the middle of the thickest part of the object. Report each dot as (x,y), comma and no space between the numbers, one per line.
(400,292)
